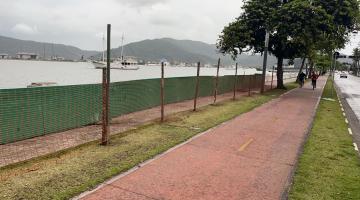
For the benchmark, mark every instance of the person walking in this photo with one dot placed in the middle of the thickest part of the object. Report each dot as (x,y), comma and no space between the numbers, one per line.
(302,76)
(314,78)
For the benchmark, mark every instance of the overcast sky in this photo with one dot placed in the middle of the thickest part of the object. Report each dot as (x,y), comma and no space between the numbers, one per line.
(82,22)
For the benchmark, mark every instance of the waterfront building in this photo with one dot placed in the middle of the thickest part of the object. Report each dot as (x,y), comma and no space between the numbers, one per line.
(4,56)
(27,56)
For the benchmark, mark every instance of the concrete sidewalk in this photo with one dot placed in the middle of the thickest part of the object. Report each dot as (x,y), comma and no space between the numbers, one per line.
(250,157)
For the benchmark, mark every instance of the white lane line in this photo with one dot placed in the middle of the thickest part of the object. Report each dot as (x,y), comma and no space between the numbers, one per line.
(350,131)
(346,121)
(356,147)
(344,114)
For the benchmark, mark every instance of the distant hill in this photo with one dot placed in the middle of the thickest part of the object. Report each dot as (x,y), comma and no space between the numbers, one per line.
(12,46)
(187,51)
(184,51)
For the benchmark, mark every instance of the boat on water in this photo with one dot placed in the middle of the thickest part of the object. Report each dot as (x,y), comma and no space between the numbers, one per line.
(98,64)
(115,65)
(123,63)
(41,84)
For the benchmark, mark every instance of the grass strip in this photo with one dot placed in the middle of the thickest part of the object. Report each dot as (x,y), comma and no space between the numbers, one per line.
(329,167)
(68,173)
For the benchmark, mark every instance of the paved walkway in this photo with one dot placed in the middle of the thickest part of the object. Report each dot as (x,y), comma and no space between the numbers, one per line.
(250,157)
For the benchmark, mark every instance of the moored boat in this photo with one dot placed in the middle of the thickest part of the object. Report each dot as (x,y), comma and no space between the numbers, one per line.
(42,84)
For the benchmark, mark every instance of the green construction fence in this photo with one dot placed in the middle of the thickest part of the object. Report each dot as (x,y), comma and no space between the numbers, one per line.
(31,112)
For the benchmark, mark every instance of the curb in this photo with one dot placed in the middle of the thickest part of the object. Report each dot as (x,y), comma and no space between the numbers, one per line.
(290,181)
(350,118)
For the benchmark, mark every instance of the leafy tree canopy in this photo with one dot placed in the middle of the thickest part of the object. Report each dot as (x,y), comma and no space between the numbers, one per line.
(298,28)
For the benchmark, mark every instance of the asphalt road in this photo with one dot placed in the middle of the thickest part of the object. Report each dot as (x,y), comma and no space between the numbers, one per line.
(349,92)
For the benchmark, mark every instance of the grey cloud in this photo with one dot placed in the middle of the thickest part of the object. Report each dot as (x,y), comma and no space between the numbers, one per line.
(77,22)
(24,29)
(141,3)
(162,21)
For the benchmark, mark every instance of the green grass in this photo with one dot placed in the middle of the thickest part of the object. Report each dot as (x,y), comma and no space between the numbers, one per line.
(329,167)
(68,173)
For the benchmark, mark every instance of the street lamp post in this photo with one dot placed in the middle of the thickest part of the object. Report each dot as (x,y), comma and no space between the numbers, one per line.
(335,57)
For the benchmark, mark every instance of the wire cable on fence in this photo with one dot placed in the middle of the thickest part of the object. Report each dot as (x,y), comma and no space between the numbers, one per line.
(43,120)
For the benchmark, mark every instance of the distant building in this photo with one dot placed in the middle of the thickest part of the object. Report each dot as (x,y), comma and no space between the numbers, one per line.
(27,56)
(152,63)
(57,58)
(4,56)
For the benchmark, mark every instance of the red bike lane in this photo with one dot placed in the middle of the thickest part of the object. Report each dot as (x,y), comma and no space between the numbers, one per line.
(250,157)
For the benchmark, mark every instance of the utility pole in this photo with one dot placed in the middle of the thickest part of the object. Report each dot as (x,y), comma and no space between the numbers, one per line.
(267,37)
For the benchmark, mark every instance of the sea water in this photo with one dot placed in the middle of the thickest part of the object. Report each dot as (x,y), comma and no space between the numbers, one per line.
(21,73)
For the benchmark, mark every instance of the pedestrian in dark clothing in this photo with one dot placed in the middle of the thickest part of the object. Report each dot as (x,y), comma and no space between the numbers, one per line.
(302,76)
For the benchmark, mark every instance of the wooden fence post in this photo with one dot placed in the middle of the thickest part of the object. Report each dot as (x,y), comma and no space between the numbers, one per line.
(162,96)
(197,85)
(106,92)
(250,76)
(272,77)
(104,114)
(235,81)
(217,81)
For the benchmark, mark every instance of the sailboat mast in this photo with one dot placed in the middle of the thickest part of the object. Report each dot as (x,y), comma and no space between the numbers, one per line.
(103,45)
(122,49)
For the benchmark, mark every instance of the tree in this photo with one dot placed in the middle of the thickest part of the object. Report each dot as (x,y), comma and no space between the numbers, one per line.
(293,27)
(323,61)
(345,21)
(356,60)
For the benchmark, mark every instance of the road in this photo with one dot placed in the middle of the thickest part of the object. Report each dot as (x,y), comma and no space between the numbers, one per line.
(349,92)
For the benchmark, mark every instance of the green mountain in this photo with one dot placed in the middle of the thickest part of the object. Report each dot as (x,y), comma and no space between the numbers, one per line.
(187,51)
(13,46)
(172,50)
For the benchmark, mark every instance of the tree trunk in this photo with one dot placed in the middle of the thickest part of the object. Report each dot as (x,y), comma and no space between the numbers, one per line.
(280,73)
(301,69)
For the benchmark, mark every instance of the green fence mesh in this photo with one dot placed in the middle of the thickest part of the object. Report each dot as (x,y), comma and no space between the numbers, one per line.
(31,112)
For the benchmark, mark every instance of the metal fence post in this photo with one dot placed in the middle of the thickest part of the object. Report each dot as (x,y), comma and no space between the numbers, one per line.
(235,80)
(197,85)
(217,81)
(162,99)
